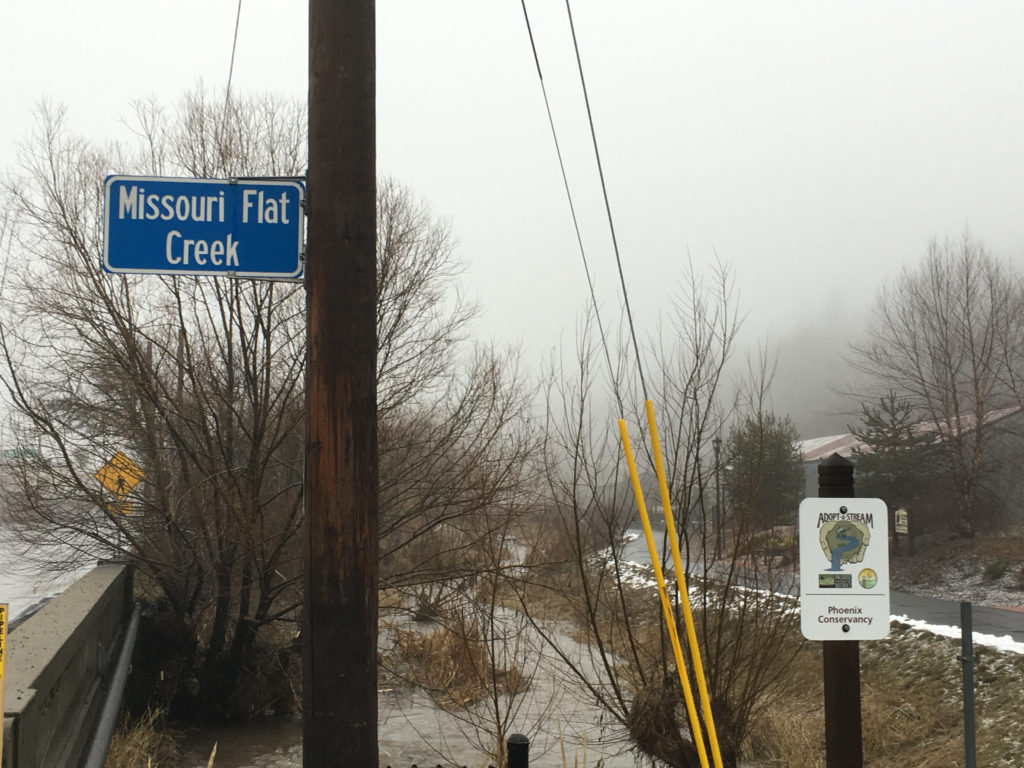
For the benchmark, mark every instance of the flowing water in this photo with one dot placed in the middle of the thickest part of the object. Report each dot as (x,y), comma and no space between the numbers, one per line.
(563,728)
(411,729)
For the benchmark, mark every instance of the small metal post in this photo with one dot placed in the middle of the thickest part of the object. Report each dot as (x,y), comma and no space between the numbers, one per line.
(910,534)
(518,751)
(716,444)
(967,660)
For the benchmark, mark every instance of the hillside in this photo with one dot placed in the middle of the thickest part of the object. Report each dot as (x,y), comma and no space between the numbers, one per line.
(985,570)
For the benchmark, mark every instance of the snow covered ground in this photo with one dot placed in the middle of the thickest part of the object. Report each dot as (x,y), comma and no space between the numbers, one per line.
(960,578)
(965,576)
(23,588)
(1001,643)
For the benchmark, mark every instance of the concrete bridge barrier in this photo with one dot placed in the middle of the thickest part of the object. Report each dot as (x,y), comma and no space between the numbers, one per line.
(59,664)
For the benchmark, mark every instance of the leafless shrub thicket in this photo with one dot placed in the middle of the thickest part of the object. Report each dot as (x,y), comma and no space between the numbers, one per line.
(200,382)
(947,337)
(627,667)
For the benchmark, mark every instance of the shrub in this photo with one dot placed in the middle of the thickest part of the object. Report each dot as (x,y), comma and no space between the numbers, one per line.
(995,570)
(771,543)
(144,741)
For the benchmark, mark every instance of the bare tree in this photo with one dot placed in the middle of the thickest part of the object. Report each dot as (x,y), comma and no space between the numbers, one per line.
(200,382)
(451,464)
(475,655)
(626,667)
(947,337)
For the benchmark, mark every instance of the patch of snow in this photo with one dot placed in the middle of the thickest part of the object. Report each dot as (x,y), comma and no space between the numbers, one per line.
(999,642)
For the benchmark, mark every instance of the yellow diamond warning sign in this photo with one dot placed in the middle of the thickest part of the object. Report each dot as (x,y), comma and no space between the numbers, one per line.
(120,475)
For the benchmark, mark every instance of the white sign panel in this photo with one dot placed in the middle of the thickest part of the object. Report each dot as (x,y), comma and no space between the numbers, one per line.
(902,521)
(844,569)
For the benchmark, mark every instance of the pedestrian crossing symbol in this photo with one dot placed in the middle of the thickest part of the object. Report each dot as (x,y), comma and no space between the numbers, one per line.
(120,475)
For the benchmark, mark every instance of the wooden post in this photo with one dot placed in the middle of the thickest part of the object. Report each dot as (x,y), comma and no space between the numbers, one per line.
(843,744)
(340,618)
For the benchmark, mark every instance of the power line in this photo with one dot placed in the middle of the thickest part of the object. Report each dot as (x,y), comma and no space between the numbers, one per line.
(656,449)
(231,67)
(572,210)
(607,205)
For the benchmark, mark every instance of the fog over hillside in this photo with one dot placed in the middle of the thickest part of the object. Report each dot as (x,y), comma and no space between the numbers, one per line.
(813,380)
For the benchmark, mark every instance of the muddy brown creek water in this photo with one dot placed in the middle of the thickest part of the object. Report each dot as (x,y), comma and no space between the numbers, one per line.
(412,730)
(564,728)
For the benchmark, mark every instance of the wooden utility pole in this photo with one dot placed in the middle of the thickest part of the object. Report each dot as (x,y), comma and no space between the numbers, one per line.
(843,745)
(340,619)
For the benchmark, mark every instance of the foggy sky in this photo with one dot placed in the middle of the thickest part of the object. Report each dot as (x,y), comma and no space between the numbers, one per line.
(816,148)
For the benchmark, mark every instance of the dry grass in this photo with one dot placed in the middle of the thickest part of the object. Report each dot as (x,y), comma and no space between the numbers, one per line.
(791,733)
(911,696)
(144,743)
(911,705)
(444,663)
(452,663)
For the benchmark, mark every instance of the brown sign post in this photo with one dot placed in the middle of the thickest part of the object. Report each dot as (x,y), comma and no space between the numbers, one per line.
(841,658)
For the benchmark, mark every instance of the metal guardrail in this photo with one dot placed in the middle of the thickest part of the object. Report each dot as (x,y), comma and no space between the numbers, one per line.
(60,666)
(100,745)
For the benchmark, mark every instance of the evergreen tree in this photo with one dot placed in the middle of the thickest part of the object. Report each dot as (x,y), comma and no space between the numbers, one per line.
(897,466)
(764,477)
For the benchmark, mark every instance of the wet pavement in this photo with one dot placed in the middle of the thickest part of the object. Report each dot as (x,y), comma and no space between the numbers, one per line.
(986,620)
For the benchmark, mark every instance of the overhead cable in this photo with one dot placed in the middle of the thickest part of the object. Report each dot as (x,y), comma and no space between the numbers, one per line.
(572,210)
(607,205)
(231,67)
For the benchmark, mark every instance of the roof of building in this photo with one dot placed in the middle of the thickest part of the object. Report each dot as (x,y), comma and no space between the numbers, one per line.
(818,448)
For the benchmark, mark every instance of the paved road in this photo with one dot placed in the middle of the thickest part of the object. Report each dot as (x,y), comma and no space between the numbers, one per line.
(986,620)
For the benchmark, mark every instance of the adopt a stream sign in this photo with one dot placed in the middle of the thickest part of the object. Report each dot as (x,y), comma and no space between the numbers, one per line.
(844,569)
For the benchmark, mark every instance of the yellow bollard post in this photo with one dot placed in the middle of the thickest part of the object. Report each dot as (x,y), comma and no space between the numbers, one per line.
(677,563)
(666,605)
(4,614)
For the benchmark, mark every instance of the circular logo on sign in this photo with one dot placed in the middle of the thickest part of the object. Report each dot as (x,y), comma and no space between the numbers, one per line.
(867,578)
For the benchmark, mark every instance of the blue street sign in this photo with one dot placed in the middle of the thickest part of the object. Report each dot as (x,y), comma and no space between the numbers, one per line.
(203,227)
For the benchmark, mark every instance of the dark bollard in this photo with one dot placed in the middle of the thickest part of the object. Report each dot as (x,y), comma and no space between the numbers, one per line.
(518,751)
